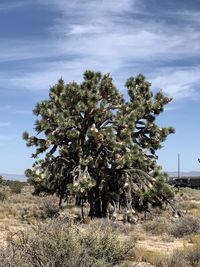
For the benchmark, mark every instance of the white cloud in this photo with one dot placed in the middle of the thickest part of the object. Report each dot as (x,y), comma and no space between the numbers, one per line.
(48,74)
(78,29)
(179,83)
(106,36)
(14,50)
(170,108)
(90,7)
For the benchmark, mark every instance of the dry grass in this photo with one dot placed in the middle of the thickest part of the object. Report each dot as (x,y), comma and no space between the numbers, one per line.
(191,207)
(195,239)
(189,194)
(157,226)
(145,255)
(185,226)
(153,238)
(187,257)
(190,204)
(195,212)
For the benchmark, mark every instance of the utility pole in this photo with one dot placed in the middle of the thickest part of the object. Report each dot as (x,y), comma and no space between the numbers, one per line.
(178,165)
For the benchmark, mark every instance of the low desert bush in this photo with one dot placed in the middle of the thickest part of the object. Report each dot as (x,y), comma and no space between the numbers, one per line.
(185,226)
(177,259)
(189,256)
(145,255)
(156,227)
(3,196)
(188,205)
(195,239)
(167,238)
(115,226)
(15,186)
(195,212)
(49,207)
(12,211)
(189,194)
(193,256)
(58,244)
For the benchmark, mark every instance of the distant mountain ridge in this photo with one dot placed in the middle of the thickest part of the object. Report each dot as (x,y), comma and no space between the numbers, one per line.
(9,176)
(189,174)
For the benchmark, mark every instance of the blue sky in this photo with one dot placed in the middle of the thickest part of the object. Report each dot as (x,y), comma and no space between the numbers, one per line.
(42,40)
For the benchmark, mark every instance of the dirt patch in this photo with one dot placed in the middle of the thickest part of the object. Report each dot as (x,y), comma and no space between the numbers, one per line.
(154,243)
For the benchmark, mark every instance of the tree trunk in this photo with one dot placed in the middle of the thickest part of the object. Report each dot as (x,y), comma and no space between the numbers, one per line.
(104,207)
(95,204)
(91,202)
(97,208)
(78,201)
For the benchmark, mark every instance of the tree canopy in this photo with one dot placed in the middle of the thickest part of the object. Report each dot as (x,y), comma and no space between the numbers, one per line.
(100,145)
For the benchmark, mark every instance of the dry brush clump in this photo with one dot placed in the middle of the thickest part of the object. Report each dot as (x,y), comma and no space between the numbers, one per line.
(195,238)
(177,259)
(3,196)
(58,244)
(185,226)
(49,207)
(188,257)
(188,194)
(144,255)
(179,228)
(156,226)
(190,202)
(189,205)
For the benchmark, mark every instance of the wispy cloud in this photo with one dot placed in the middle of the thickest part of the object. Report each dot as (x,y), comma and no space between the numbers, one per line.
(13,4)
(4,124)
(170,108)
(13,110)
(108,36)
(181,83)
(90,7)
(18,50)
(22,111)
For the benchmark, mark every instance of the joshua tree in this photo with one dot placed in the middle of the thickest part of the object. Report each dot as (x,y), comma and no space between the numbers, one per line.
(100,145)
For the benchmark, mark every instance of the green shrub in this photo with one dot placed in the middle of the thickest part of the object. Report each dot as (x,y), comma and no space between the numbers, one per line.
(16,187)
(58,244)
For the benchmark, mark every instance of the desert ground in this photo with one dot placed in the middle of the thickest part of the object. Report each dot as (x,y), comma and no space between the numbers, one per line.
(165,238)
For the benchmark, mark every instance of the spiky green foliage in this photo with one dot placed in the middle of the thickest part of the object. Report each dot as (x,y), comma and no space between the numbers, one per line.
(98,144)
